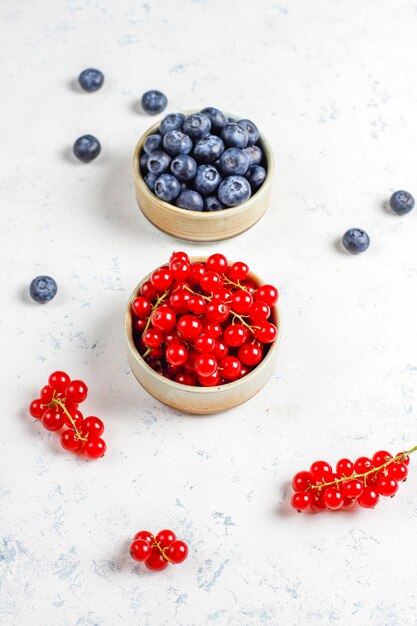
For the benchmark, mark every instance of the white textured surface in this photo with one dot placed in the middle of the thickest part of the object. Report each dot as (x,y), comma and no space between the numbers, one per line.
(333,85)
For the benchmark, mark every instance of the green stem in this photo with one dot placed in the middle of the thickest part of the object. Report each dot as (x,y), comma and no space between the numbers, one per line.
(155,306)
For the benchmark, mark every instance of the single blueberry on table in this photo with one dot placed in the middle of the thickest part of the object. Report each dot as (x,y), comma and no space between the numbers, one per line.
(256,176)
(152,143)
(176,142)
(91,79)
(212,203)
(150,180)
(167,187)
(207,179)
(234,161)
(401,202)
(234,190)
(217,118)
(174,121)
(234,136)
(356,240)
(184,167)
(208,149)
(255,155)
(143,163)
(197,125)
(158,162)
(43,289)
(154,102)
(251,129)
(86,148)
(190,200)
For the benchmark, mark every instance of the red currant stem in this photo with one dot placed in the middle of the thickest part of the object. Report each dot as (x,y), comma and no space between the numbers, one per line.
(231,282)
(242,321)
(400,457)
(148,351)
(57,401)
(157,303)
(156,544)
(197,294)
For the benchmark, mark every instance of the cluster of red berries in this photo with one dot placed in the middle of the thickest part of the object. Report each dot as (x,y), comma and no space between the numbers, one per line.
(361,482)
(157,551)
(57,408)
(203,324)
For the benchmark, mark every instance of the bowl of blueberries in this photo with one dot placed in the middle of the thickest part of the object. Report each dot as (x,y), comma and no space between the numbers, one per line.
(203,175)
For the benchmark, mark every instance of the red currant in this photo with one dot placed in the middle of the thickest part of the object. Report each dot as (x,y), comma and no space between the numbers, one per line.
(212,329)
(224,295)
(141,307)
(381,457)
(58,381)
(177,552)
(179,256)
(95,448)
(148,291)
(204,343)
(177,354)
(76,417)
(189,327)
(363,465)
(333,498)
(344,467)
(161,279)
(156,560)
(301,500)
(352,488)
(301,481)
(163,318)
(404,458)
(386,486)
(230,367)
(171,338)
(348,504)
(399,471)
(179,269)
(165,538)
(139,324)
(236,335)
(189,365)
(266,332)
(156,353)
(152,338)
(145,535)
(180,300)
(53,419)
(250,353)
(210,381)
(217,312)
(211,282)
(238,271)
(205,365)
(249,286)
(140,550)
(321,471)
(76,391)
(259,312)
(46,394)
(369,498)
(197,305)
(92,426)
(185,378)
(221,349)
(196,272)
(217,263)
(70,441)
(241,301)
(267,294)
(36,408)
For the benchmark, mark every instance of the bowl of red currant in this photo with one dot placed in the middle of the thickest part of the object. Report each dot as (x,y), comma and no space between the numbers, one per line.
(202,333)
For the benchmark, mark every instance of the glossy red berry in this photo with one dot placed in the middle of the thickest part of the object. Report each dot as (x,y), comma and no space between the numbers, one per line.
(302,481)
(404,459)
(76,391)
(205,365)
(185,378)
(141,307)
(139,324)
(369,498)
(148,291)
(76,419)
(53,419)
(58,381)
(266,332)
(161,279)
(189,327)
(95,448)
(165,537)
(362,465)
(212,329)
(380,457)
(399,471)
(321,471)
(241,301)
(210,381)
(259,312)
(177,551)
(179,269)
(238,271)
(267,294)
(221,349)
(92,427)
(230,368)
(177,354)
(179,301)
(179,256)
(386,486)
(204,343)
(250,353)
(236,335)
(197,305)
(196,272)
(36,408)
(333,498)
(217,263)
(156,560)
(211,281)
(140,550)
(70,440)
(217,312)
(153,338)
(46,394)
(344,467)
(224,295)
(301,500)
(145,535)
(163,318)
(352,488)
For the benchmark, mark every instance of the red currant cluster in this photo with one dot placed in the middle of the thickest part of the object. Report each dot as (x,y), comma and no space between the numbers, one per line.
(203,324)
(157,551)
(57,408)
(361,482)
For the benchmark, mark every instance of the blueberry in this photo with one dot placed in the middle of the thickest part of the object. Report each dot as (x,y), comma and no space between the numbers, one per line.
(91,79)
(356,240)
(255,155)
(207,179)
(143,163)
(212,203)
(152,143)
(158,162)
(86,148)
(256,176)
(190,200)
(167,187)
(183,167)
(176,142)
(251,129)
(234,136)
(234,190)
(43,289)
(217,118)
(234,161)
(150,180)
(154,102)
(401,202)
(208,149)
(174,121)
(197,125)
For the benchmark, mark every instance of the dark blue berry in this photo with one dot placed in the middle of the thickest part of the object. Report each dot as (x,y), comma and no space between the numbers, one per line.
(190,200)
(356,240)
(207,179)
(255,155)
(401,202)
(234,190)
(251,129)
(184,167)
(217,118)
(212,203)
(143,163)
(86,148)
(174,121)
(158,162)
(234,136)
(167,187)
(176,142)
(197,125)
(91,79)
(154,102)
(208,149)
(152,143)
(150,180)
(234,161)
(256,176)
(43,289)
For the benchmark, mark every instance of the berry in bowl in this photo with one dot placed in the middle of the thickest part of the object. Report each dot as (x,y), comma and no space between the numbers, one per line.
(203,175)
(202,333)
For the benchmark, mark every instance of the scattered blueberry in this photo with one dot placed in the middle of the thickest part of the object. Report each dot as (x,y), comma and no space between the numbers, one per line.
(152,143)
(234,190)
(86,148)
(158,162)
(208,149)
(184,167)
(212,203)
(207,179)
(234,161)
(154,102)
(167,187)
(356,240)
(176,142)
(174,121)
(256,176)
(43,289)
(197,125)
(401,202)
(217,118)
(234,136)
(150,180)
(91,79)
(190,200)
(143,163)
(255,155)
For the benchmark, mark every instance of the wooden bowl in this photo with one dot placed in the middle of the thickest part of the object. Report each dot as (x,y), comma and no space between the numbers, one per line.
(196,226)
(200,400)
